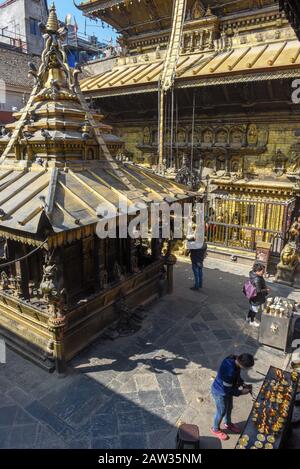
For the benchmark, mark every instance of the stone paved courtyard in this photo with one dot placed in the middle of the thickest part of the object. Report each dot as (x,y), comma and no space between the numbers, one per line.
(134,391)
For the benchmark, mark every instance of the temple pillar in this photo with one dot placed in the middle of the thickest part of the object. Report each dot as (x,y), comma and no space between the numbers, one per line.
(57,326)
(22,277)
(170,262)
(156,247)
(88,261)
(227,166)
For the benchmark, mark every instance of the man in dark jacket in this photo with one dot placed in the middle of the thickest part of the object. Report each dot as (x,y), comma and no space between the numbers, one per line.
(197,257)
(257,279)
(228,384)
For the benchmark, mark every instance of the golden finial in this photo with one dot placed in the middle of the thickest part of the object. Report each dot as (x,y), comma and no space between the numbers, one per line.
(208,11)
(52,24)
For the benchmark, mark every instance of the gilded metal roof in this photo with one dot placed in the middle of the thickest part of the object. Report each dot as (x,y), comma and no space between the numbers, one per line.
(252,61)
(70,198)
(135,16)
(55,167)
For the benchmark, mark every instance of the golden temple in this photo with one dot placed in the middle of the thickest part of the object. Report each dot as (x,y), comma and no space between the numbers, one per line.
(209,85)
(60,283)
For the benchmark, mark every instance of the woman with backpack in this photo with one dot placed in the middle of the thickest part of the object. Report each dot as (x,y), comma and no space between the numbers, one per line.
(256,291)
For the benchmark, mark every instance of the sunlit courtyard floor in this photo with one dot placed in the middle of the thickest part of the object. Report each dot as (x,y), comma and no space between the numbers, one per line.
(134,391)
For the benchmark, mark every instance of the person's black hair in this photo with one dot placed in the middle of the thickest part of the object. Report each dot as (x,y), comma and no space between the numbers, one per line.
(246,360)
(258,267)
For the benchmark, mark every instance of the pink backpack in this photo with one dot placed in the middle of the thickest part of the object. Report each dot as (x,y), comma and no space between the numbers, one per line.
(249,290)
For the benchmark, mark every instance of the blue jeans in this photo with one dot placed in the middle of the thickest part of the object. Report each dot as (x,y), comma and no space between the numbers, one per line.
(198,273)
(224,405)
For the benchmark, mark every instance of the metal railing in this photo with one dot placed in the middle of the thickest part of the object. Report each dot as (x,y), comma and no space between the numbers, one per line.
(13,40)
(241,223)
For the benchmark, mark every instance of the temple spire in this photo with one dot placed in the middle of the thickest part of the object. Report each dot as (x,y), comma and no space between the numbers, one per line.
(52,23)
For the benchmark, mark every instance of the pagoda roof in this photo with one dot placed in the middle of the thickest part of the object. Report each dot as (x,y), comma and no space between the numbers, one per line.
(133,17)
(70,199)
(248,63)
(55,168)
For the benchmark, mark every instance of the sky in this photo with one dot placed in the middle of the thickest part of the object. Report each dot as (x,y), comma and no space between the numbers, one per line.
(64,7)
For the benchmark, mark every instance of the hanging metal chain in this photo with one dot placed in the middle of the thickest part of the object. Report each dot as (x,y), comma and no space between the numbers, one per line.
(24,257)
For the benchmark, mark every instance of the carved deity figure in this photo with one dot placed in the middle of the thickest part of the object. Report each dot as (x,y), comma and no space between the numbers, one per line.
(295,162)
(289,260)
(252,134)
(236,220)
(181,136)
(183,175)
(289,257)
(119,277)
(222,136)
(235,166)
(103,279)
(50,290)
(48,285)
(198,10)
(146,136)
(279,160)
(4,281)
(209,163)
(123,46)
(237,137)
(294,232)
(208,136)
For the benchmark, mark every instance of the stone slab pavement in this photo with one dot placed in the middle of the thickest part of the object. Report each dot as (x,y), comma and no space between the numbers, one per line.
(134,391)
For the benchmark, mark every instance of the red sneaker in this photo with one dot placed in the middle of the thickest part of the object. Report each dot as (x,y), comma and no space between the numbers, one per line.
(233,428)
(219,434)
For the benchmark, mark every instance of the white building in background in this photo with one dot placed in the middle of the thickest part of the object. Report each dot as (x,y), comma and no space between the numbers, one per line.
(19,24)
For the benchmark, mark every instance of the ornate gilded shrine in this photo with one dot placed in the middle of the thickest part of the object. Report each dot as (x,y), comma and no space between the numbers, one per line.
(241,216)
(60,284)
(231,114)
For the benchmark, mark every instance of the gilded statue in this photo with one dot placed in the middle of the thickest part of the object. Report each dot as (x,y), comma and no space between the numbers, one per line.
(208,136)
(294,232)
(4,281)
(279,160)
(236,137)
(118,276)
(181,136)
(222,136)
(289,260)
(252,134)
(295,162)
(103,279)
(289,257)
(147,136)
(198,10)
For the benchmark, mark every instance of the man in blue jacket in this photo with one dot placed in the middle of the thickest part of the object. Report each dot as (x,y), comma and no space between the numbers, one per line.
(227,384)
